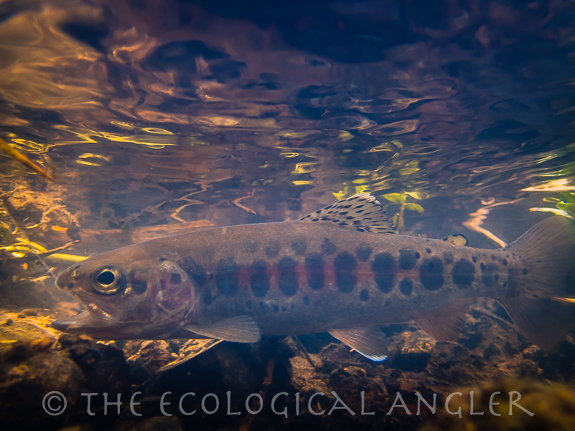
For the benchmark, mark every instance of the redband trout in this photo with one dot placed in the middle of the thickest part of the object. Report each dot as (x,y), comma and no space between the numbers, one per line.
(340,270)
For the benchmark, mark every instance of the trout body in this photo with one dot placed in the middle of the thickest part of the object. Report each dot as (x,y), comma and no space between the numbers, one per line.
(326,272)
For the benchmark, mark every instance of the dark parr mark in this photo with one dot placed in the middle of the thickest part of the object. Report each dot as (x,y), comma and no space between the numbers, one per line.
(431,273)
(195,271)
(463,273)
(314,267)
(448,258)
(287,276)
(345,267)
(406,286)
(383,268)
(227,276)
(407,259)
(428,250)
(363,295)
(251,247)
(489,273)
(363,252)
(525,271)
(299,246)
(328,247)
(259,279)
(273,249)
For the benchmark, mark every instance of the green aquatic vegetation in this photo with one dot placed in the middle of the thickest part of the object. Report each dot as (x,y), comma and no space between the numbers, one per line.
(400,199)
(567,203)
(564,205)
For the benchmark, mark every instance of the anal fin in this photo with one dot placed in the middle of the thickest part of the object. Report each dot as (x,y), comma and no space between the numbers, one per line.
(239,329)
(370,342)
(445,323)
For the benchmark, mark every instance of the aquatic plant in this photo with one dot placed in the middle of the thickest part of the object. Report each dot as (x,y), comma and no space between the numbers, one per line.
(564,206)
(400,199)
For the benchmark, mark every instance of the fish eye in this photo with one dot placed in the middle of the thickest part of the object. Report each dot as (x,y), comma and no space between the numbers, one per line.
(107,280)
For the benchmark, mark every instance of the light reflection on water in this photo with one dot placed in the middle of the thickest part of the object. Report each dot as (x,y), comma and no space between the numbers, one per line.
(187,114)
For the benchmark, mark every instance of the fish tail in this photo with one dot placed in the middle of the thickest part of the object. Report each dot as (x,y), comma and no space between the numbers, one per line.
(542,290)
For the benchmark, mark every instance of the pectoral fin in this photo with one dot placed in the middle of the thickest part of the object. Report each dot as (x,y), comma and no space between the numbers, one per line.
(370,342)
(445,323)
(239,329)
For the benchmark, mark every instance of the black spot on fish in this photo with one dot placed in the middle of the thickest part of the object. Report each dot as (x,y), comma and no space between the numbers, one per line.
(175,278)
(463,273)
(287,276)
(488,274)
(195,271)
(345,267)
(504,262)
(328,247)
(284,308)
(407,259)
(525,271)
(306,300)
(428,250)
(363,252)
(431,273)
(482,266)
(251,246)
(299,246)
(227,276)
(383,268)
(273,249)
(493,257)
(249,304)
(474,259)
(208,299)
(138,286)
(275,308)
(363,295)
(314,267)
(70,285)
(448,258)
(259,279)
(406,286)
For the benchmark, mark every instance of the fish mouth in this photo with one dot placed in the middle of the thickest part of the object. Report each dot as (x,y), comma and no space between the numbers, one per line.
(103,329)
(82,323)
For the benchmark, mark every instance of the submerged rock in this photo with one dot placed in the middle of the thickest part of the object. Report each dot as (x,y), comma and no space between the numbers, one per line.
(38,378)
(510,404)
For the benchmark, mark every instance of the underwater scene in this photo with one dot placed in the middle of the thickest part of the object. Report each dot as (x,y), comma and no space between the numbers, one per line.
(260,215)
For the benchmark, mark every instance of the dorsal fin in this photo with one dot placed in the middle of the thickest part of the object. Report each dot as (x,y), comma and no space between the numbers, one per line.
(360,212)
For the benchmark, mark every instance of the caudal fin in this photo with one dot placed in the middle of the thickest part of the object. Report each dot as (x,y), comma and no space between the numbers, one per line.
(543,301)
